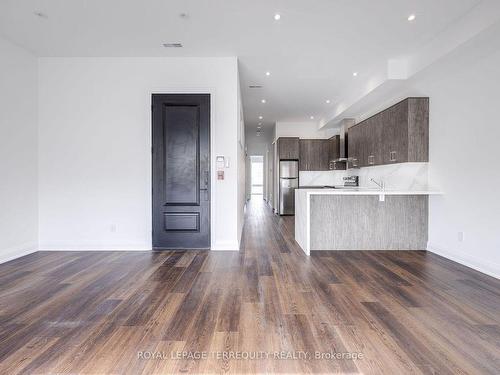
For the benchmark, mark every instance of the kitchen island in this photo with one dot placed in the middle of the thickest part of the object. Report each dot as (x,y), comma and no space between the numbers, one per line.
(361,219)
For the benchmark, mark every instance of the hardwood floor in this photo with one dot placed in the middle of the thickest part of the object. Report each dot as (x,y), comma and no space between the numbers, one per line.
(110,312)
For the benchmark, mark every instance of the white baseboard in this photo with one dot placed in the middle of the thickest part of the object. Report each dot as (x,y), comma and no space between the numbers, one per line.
(15,252)
(94,247)
(218,246)
(478,264)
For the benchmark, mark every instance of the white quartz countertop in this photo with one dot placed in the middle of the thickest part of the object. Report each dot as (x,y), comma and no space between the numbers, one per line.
(366,191)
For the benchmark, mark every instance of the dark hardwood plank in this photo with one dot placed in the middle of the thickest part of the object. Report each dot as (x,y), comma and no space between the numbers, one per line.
(92,312)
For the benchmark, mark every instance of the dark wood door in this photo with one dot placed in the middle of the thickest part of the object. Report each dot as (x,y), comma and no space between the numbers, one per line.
(181,171)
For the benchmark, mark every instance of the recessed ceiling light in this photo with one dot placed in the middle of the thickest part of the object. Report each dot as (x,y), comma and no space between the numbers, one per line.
(268,74)
(355,74)
(258,127)
(277,17)
(411,17)
(172,45)
(327,101)
(312,117)
(263,101)
(260,117)
(41,15)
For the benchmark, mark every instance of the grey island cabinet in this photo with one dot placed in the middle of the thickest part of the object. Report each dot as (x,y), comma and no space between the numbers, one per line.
(361,219)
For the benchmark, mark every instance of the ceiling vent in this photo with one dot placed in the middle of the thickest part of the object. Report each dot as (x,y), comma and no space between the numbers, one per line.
(172,45)
(255,86)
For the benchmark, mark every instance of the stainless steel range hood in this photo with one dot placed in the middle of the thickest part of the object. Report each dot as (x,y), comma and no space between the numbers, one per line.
(343,149)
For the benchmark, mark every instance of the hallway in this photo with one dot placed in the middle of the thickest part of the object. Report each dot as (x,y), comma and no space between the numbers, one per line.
(158,312)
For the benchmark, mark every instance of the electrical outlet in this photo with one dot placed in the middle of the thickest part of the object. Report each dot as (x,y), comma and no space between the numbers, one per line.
(460,236)
(112,228)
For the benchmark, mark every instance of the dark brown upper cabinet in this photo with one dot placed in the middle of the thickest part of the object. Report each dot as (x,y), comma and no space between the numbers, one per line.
(334,147)
(398,134)
(354,147)
(314,154)
(334,153)
(288,148)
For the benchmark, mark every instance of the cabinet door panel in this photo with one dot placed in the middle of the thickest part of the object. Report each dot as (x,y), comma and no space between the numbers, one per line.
(314,154)
(294,149)
(288,148)
(418,129)
(363,144)
(372,138)
(354,143)
(304,155)
(324,153)
(334,144)
(395,134)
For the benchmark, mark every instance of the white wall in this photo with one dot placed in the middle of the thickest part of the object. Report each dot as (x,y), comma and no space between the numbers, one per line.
(464,150)
(95,147)
(306,130)
(464,132)
(18,152)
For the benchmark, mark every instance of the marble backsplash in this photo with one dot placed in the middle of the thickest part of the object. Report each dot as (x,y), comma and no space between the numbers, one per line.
(321,178)
(408,176)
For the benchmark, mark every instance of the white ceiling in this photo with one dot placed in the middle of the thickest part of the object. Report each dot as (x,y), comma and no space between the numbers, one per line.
(311,51)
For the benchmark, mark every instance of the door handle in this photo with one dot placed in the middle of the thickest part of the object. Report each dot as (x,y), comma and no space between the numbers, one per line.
(205,184)
(206,193)
(206,179)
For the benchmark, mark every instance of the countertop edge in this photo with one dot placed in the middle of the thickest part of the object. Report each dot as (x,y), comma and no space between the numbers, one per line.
(368,192)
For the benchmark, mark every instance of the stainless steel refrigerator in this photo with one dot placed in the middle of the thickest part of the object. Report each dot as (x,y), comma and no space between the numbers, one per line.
(289,181)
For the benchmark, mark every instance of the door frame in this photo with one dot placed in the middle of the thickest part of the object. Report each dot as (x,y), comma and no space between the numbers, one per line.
(263,174)
(194,91)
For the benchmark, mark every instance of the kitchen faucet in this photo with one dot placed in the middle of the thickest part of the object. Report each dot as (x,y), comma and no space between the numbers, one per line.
(380,184)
